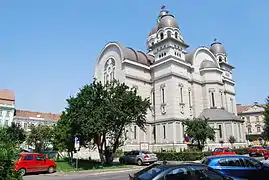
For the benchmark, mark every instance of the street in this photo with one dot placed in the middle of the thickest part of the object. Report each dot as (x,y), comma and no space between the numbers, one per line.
(119,175)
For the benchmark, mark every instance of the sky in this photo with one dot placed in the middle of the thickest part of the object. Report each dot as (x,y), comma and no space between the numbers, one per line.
(48,48)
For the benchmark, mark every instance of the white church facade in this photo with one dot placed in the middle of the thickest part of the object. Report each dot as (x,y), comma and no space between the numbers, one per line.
(181,85)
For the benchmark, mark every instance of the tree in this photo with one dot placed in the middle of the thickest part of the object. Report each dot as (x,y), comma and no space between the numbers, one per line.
(8,151)
(40,137)
(232,140)
(101,114)
(266,120)
(16,133)
(199,130)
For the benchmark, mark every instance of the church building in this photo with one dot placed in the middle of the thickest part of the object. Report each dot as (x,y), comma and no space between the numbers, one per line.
(181,85)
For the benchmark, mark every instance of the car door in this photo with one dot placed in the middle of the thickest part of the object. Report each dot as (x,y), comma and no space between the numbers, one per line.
(127,157)
(232,166)
(254,168)
(28,162)
(40,163)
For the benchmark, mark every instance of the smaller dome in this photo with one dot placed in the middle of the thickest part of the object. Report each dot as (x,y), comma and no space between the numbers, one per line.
(208,64)
(154,30)
(217,48)
(168,21)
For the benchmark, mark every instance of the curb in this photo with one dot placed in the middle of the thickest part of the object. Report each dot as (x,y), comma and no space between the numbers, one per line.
(94,172)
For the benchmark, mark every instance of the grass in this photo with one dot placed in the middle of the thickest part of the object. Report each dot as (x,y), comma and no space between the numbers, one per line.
(63,165)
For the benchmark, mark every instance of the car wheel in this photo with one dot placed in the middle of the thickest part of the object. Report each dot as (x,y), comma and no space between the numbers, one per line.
(121,162)
(51,169)
(139,162)
(22,171)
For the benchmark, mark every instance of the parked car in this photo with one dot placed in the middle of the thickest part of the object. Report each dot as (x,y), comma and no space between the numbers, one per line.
(238,167)
(34,162)
(256,151)
(266,153)
(138,157)
(190,171)
(223,151)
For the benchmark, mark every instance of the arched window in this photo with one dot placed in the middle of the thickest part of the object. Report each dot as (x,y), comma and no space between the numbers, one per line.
(109,72)
(176,35)
(161,35)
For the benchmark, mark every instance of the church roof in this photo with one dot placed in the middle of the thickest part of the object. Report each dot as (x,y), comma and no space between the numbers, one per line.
(218,114)
(7,97)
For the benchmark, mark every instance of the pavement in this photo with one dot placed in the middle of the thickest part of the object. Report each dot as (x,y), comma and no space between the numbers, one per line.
(119,174)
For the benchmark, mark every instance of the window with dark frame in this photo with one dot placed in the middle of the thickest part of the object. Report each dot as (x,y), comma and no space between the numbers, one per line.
(161,35)
(213,99)
(220,131)
(164,132)
(163,100)
(134,132)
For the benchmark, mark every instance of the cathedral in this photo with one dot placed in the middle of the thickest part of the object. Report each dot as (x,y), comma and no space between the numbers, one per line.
(180,84)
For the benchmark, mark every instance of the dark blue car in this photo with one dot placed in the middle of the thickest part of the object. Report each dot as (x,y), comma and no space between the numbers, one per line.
(238,167)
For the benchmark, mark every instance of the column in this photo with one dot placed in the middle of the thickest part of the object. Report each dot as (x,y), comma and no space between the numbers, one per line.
(224,132)
(174,132)
(181,138)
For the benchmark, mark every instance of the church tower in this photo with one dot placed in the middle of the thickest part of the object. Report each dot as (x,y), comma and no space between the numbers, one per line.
(165,39)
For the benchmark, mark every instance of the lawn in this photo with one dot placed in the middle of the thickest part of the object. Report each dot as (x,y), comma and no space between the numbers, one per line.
(63,165)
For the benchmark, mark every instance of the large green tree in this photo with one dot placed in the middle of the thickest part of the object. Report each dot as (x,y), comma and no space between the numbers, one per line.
(199,130)
(9,148)
(266,120)
(40,137)
(101,114)
(16,133)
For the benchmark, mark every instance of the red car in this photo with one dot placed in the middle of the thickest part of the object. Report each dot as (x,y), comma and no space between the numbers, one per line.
(34,162)
(223,151)
(256,151)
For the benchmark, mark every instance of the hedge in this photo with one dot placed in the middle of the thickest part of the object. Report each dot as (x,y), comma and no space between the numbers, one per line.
(191,155)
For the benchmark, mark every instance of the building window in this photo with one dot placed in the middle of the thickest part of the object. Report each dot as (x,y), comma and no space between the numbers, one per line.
(239,130)
(257,118)
(8,114)
(134,132)
(221,97)
(190,105)
(176,35)
(249,130)
(220,131)
(1,113)
(109,72)
(181,93)
(6,122)
(232,105)
(248,119)
(154,133)
(213,99)
(161,35)
(153,97)
(164,132)
(163,95)
(258,129)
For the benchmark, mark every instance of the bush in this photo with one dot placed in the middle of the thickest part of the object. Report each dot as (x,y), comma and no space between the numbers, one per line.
(241,151)
(180,156)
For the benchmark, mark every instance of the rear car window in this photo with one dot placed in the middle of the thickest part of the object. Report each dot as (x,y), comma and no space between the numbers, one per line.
(146,152)
(28,157)
(151,172)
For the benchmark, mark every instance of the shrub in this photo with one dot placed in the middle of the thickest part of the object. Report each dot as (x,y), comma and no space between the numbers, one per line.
(241,151)
(180,156)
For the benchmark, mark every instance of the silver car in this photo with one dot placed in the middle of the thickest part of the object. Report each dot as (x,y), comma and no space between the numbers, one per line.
(138,157)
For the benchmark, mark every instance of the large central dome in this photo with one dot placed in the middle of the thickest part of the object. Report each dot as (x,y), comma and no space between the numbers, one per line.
(167,20)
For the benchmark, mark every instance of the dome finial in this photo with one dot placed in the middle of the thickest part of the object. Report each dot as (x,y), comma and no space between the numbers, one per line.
(163,7)
(215,40)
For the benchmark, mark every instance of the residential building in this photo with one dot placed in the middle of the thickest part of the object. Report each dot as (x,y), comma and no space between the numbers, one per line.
(26,118)
(253,117)
(181,84)
(7,107)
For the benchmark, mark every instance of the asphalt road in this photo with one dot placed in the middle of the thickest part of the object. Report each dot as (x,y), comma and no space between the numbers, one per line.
(119,175)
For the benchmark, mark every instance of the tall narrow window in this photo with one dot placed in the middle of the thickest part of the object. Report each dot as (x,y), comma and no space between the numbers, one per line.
(181,94)
(109,71)
(134,132)
(161,35)
(7,114)
(213,99)
(176,34)
(154,133)
(221,98)
(257,118)
(163,94)
(232,105)
(249,130)
(220,131)
(164,132)
(239,130)
(190,105)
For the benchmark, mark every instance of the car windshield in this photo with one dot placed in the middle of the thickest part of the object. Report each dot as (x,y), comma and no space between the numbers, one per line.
(152,172)
(228,150)
(205,161)
(267,147)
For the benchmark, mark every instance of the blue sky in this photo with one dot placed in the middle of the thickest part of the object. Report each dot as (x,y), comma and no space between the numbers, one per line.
(48,48)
